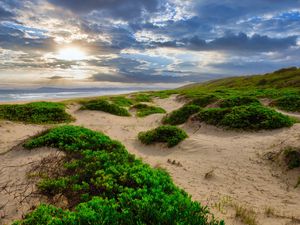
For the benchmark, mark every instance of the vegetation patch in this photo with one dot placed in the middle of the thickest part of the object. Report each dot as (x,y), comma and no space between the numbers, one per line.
(145,110)
(181,115)
(203,100)
(238,101)
(171,135)
(121,101)
(36,112)
(288,103)
(251,117)
(292,157)
(104,184)
(105,106)
(142,97)
(247,216)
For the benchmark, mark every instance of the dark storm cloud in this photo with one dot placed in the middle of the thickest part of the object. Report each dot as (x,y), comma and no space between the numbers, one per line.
(15,39)
(220,12)
(4,14)
(233,42)
(125,9)
(130,71)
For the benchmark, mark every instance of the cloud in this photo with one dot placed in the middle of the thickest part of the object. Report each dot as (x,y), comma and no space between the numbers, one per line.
(58,78)
(4,14)
(149,41)
(233,42)
(125,9)
(13,38)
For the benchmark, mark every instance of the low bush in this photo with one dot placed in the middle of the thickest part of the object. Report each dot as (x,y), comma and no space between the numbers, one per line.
(36,112)
(252,117)
(104,184)
(142,98)
(238,101)
(105,106)
(292,157)
(171,135)
(181,115)
(204,100)
(121,101)
(145,110)
(288,103)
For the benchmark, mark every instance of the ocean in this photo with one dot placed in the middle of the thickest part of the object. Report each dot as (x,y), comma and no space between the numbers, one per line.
(44,93)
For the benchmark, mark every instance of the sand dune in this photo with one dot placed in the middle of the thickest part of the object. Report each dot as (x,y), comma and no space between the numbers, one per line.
(218,168)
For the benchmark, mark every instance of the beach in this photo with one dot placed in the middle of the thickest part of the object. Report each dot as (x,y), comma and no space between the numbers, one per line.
(219,168)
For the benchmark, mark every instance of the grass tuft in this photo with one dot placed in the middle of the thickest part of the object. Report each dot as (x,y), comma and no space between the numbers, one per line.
(171,135)
(247,216)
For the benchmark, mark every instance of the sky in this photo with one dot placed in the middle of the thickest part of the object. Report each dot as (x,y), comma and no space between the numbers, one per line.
(144,42)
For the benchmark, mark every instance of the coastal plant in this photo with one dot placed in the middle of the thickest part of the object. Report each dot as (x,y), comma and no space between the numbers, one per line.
(251,117)
(238,101)
(104,184)
(121,101)
(292,157)
(105,106)
(171,135)
(288,103)
(36,112)
(143,110)
(247,216)
(203,100)
(181,115)
(142,97)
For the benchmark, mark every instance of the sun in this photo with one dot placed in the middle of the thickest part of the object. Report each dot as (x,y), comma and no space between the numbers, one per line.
(71,53)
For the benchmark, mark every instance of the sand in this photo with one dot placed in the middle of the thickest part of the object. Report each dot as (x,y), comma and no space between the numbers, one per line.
(18,193)
(217,167)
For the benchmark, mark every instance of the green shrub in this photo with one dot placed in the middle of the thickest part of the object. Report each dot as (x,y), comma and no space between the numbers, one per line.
(142,98)
(53,186)
(292,157)
(288,103)
(170,134)
(204,100)
(255,117)
(252,117)
(36,112)
(181,115)
(238,101)
(212,116)
(145,110)
(104,184)
(105,106)
(121,101)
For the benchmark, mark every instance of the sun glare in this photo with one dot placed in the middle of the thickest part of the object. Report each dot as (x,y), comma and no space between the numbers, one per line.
(71,53)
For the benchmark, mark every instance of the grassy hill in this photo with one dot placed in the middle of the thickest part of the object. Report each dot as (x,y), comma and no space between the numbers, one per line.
(271,85)
(283,78)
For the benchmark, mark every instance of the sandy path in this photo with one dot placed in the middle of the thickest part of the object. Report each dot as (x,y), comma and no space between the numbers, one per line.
(11,134)
(16,191)
(240,171)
